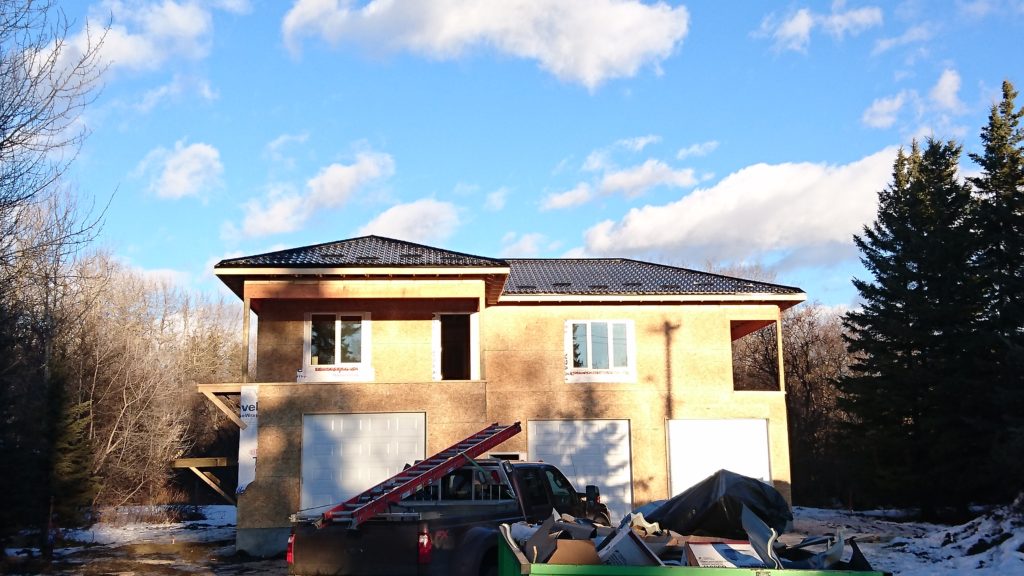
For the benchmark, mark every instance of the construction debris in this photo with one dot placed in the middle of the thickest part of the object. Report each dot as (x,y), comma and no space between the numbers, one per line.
(724,532)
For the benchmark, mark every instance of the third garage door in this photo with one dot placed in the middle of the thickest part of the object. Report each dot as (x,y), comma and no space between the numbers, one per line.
(699,448)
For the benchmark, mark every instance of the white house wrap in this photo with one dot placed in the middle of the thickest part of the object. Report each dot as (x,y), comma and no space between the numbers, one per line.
(247,439)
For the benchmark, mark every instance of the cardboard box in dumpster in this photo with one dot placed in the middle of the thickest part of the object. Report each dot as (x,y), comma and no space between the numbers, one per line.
(723,555)
(627,549)
(577,552)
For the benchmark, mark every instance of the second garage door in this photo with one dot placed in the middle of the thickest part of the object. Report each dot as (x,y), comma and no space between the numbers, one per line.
(344,454)
(588,452)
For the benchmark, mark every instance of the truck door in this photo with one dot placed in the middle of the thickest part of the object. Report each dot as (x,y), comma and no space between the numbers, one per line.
(563,495)
(534,495)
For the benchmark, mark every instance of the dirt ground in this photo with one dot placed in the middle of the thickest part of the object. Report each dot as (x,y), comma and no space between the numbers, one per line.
(153,559)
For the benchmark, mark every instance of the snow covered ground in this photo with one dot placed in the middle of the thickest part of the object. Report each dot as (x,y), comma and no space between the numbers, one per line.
(989,545)
(218,525)
(992,544)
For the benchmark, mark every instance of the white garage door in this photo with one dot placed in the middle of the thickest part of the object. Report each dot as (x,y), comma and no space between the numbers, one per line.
(588,452)
(344,454)
(699,448)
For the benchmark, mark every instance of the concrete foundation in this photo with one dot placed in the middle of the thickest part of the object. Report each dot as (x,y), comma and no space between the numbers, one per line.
(262,542)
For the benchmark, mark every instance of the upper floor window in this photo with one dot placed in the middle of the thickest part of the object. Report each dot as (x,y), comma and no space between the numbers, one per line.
(336,347)
(599,351)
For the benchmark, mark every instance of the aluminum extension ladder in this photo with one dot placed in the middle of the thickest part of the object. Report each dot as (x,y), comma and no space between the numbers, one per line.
(376,500)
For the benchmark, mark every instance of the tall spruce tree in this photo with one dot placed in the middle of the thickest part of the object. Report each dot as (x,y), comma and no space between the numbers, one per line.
(913,339)
(72,484)
(1000,187)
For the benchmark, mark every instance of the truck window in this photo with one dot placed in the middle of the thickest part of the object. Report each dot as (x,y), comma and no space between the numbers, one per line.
(457,485)
(562,492)
(532,485)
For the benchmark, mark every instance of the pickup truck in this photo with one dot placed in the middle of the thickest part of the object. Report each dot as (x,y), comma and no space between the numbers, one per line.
(449,527)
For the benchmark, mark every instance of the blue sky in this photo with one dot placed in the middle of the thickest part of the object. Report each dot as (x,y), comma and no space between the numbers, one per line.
(683,133)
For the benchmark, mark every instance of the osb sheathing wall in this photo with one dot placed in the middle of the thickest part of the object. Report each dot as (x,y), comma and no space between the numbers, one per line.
(684,370)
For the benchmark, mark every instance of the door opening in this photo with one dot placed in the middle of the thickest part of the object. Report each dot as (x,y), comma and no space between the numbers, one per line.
(455,347)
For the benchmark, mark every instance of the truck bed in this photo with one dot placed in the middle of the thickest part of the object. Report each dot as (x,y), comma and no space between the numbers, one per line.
(388,544)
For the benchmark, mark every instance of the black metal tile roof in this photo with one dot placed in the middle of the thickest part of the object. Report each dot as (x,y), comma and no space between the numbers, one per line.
(528,276)
(366,251)
(621,276)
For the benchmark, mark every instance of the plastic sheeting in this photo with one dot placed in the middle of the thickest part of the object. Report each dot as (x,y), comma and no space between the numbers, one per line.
(714,507)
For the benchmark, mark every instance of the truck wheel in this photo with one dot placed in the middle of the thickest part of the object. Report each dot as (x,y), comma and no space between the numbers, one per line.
(602,519)
(489,563)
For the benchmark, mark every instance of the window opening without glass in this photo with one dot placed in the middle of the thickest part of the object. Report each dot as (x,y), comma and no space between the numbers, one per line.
(755,355)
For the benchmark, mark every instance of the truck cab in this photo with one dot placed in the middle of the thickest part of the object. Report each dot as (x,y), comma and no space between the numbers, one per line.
(544,488)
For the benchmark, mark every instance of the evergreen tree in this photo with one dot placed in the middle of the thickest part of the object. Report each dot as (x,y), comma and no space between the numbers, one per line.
(1000,224)
(72,484)
(914,338)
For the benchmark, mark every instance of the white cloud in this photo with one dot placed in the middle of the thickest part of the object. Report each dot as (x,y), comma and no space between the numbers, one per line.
(581,194)
(796,209)
(945,93)
(285,209)
(638,143)
(929,116)
(638,179)
(914,34)
(335,183)
(883,111)
(977,8)
(422,221)
(600,159)
(794,31)
(275,149)
(583,41)
(702,149)
(178,86)
(852,21)
(190,170)
(525,246)
(496,200)
(143,35)
(236,6)
(596,161)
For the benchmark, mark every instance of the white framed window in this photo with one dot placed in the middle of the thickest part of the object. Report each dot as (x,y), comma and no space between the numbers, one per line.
(336,346)
(600,351)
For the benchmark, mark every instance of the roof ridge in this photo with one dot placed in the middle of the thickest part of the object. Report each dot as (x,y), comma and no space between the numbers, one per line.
(353,243)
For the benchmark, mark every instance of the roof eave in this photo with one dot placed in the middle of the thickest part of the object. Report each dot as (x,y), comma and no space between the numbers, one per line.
(784,300)
(234,278)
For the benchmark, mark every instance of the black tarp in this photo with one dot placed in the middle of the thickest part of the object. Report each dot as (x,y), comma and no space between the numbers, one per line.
(713,507)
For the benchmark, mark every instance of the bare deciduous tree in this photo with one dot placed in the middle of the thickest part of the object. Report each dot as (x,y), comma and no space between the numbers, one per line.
(143,347)
(45,82)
